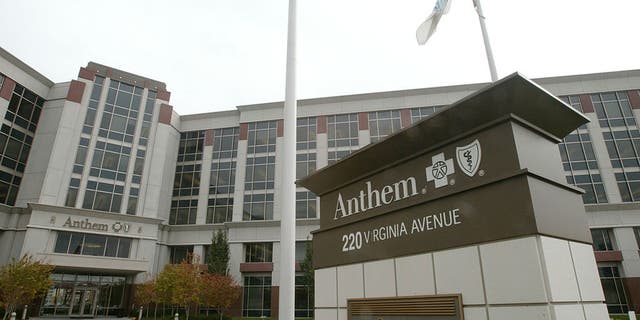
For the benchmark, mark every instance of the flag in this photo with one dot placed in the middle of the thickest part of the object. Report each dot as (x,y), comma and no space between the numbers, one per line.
(428,27)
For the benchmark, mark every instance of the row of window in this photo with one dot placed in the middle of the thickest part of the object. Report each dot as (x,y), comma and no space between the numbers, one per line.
(257,252)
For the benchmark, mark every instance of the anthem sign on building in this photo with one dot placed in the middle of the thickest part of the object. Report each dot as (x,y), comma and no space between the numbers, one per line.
(463,176)
(440,220)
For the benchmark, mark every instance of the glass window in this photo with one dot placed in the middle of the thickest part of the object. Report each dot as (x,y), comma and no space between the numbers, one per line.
(220,210)
(92,245)
(179,254)
(383,123)
(579,160)
(256,298)
(258,207)
(342,130)
(262,137)
(602,239)
(418,114)
(306,206)
(614,292)
(258,252)
(303,298)
(306,133)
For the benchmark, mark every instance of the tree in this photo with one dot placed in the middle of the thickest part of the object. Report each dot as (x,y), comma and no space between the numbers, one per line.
(218,254)
(179,284)
(22,281)
(307,268)
(219,291)
(144,293)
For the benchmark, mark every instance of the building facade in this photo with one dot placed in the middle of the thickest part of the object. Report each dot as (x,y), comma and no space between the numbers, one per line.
(103,179)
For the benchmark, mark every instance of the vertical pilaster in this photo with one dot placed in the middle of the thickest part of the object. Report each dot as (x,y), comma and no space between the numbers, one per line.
(241,163)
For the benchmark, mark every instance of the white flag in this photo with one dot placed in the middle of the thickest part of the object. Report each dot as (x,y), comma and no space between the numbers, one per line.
(428,27)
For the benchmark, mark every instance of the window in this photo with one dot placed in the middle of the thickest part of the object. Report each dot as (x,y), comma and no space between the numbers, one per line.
(146,118)
(191,146)
(383,123)
(342,136)
(258,252)
(301,250)
(334,156)
(183,211)
(110,161)
(305,164)
(258,207)
(629,185)
(220,210)
(303,298)
(187,180)
(223,175)
(103,196)
(92,108)
(225,143)
(418,114)
(260,173)
(614,293)
(179,254)
(186,185)
(602,239)
(16,138)
(256,298)
(306,207)
(306,133)
(579,160)
(92,245)
(262,137)
(342,130)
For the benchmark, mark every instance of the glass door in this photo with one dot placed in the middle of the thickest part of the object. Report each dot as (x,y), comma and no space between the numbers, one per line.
(83,302)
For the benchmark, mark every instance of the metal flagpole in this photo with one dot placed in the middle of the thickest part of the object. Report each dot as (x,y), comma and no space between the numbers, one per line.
(487,44)
(288,216)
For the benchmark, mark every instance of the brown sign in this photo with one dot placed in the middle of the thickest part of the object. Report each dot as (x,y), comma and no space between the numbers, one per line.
(437,307)
(485,169)
(487,156)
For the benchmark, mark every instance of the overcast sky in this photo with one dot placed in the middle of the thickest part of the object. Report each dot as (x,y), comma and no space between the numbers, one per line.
(217,54)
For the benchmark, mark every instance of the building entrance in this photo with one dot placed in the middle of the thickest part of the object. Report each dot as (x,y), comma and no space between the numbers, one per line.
(83,302)
(85,296)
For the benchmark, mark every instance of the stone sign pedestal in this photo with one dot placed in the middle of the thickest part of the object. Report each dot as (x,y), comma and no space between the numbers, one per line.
(465,215)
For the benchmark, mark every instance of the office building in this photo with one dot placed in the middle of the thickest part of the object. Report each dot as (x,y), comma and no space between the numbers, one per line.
(101,177)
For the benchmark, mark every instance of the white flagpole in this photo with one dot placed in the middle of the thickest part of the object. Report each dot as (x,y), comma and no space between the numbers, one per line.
(487,44)
(288,216)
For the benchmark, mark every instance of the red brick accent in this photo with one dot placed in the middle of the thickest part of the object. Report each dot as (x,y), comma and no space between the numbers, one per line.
(405,117)
(275,296)
(244,131)
(321,124)
(298,267)
(608,256)
(76,90)
(86,74)
(208,137)
(7,88)
(108,73)
(163,95)
(634,99)
(587,105)
(633,292)
(165,113)
(363,121)
(256,267)
(280,128)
